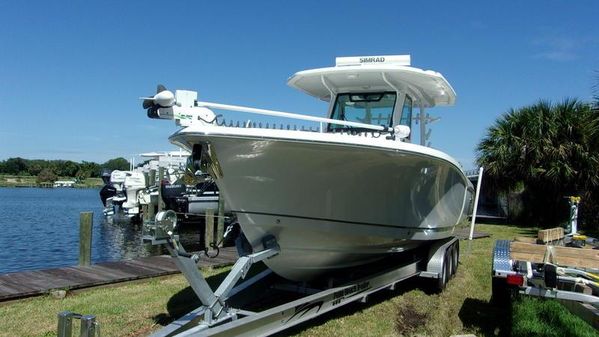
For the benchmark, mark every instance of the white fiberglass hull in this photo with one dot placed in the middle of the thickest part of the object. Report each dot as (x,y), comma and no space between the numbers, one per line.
(336,203)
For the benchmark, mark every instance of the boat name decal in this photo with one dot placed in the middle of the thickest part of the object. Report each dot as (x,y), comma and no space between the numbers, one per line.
(184,116)
(350,291)
(379,59)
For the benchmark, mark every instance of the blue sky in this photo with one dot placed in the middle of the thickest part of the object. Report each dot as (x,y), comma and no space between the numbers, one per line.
(71,73)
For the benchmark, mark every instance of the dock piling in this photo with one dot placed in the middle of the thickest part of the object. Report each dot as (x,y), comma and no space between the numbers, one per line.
(209,231)
(85,238)
(160,178)
(151,207)
(220,227)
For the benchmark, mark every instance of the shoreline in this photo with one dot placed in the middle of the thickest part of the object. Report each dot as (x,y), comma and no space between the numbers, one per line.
(28,181)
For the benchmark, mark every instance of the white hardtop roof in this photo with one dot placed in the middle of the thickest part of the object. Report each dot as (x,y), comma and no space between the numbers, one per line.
(181,153)
(376,73)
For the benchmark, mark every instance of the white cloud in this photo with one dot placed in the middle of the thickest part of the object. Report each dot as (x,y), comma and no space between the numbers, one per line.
(560,48)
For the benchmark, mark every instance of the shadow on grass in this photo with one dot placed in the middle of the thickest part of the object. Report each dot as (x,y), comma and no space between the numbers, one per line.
(522,230)
(185,301)
(488,318)
(354,307)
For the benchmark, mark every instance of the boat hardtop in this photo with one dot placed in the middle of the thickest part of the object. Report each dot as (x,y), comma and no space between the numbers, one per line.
(376,74)
(366,93)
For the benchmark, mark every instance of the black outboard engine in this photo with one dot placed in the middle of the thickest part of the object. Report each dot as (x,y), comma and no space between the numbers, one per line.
(106,192)
(174,197)
(106,176)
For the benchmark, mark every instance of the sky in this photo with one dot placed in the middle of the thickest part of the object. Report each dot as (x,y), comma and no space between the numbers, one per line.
(71,73)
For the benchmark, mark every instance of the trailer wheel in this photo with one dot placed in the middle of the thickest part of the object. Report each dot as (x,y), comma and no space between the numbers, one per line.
(442,280)
(455,255)
(500,293)
(450,264)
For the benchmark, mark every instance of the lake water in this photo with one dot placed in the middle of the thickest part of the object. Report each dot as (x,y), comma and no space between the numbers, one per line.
(39,228)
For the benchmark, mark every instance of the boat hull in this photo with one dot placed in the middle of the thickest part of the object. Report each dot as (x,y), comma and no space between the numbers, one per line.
(330,205)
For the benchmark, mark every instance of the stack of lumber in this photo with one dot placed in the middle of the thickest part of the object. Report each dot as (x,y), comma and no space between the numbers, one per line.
(561,256)
(550,235)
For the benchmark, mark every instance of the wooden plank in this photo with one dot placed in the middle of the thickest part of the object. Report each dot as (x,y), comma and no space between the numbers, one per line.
(550,235)
(464,233)
(209,229)
(220,227)
(85,238)
(161,204)
(585,311)
(31,283)
(563,256)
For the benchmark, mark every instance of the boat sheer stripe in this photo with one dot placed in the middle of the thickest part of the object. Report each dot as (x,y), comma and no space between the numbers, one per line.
(439,229)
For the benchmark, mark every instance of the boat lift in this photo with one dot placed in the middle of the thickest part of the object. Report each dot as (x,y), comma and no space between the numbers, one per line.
(218,317)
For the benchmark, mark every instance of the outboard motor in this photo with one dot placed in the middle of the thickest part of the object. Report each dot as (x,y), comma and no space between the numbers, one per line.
(108,191)
(106,176)
(174,197)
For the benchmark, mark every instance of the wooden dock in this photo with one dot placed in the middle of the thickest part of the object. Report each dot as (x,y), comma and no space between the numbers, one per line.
(464,234)
(38,282)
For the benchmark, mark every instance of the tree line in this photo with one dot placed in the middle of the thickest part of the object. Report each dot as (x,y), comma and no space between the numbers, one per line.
(49,170)
(543,153)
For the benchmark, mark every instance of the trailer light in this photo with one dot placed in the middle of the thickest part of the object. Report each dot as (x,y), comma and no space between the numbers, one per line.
(515,280)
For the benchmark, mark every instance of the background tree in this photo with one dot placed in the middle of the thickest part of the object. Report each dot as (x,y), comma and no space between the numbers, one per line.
(15,165)
(46,176)
(119,163)
(549,149)
(87,170)
(66,168)
(36,166)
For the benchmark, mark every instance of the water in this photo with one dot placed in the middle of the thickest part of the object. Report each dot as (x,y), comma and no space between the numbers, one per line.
(39,228)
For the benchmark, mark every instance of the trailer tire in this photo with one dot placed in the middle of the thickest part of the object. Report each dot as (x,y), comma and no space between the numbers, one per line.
(444,277)
(447,267)
(455,255)
(450,264)
(500,292)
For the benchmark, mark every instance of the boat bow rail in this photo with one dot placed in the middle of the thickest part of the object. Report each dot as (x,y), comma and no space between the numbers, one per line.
(186,110)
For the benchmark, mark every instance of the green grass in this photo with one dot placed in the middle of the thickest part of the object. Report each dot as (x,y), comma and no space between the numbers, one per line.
(129,309)
(136,309)
(538,317)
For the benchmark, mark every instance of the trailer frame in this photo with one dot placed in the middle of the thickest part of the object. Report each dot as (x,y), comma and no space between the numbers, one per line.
(539,279)
(216,317)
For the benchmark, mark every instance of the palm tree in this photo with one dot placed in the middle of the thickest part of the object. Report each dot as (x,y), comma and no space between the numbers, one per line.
(550,149)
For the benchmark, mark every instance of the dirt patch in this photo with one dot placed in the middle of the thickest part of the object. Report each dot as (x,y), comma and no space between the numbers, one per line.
(408,319)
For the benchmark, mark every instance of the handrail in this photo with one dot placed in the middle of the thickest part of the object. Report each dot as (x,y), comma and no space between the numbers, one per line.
(275,113)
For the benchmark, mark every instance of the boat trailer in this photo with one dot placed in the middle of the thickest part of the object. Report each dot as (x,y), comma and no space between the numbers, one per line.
(570,275)
(221,312)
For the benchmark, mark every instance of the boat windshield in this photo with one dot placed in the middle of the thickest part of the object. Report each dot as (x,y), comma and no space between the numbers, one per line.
(368,108)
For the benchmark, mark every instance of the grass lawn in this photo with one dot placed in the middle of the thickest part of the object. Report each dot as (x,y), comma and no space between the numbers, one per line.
(135,309)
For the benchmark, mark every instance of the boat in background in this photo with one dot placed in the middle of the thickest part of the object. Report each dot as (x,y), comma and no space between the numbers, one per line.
(351,191)
(125,192)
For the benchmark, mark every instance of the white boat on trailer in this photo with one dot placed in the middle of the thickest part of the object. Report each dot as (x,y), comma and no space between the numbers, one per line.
(353,192)
(414,198)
